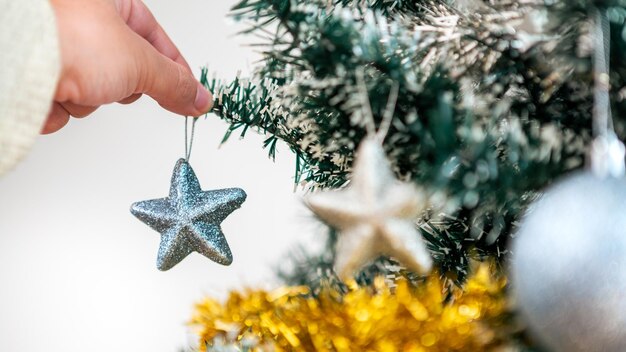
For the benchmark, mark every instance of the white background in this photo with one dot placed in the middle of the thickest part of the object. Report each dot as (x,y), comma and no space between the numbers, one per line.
(78,272)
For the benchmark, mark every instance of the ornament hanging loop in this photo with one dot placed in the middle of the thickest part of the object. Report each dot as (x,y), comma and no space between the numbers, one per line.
(383,129)
(607,152)
(370,124)
(189,139)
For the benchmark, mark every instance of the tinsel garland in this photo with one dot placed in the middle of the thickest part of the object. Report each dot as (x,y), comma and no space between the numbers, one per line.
(387,316)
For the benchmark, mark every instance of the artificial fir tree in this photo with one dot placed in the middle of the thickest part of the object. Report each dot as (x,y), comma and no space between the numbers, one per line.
(492,101)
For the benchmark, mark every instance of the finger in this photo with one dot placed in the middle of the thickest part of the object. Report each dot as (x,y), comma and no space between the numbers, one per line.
(57,118)
(172,85)
(131,99)
(78,111)
(139,18)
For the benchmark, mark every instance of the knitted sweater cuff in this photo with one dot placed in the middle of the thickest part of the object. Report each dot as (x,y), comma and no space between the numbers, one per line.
(29,70)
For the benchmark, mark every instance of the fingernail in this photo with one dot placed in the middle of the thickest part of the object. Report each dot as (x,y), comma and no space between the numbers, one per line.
(203,99)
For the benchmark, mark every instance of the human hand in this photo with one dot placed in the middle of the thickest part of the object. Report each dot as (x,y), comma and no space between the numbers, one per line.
(115,51)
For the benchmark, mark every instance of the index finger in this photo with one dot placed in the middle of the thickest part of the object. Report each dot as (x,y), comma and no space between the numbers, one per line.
(139,18)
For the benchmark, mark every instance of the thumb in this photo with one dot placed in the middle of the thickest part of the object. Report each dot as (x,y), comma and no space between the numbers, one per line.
(173,86)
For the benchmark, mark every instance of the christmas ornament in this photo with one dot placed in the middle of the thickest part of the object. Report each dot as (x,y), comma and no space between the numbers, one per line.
(189,219)
(569,256)
(569,265)
(390,316)
(375,215)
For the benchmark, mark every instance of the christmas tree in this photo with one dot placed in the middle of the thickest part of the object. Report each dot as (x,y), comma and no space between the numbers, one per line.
(426,123)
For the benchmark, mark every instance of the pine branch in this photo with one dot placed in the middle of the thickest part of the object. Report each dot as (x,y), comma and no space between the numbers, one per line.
(487,115)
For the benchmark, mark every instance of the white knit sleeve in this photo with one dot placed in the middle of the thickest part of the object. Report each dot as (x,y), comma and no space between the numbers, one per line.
(29,70)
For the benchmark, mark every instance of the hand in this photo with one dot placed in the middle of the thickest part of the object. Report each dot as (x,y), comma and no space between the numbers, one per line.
(114,51)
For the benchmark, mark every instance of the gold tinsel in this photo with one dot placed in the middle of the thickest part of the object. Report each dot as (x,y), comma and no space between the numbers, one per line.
(390,316)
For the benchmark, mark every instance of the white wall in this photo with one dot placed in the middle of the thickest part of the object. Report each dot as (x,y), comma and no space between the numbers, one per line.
(77,271)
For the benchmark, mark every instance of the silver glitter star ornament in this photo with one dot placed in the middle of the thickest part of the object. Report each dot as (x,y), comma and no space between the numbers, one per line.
(375,215)
(189,219)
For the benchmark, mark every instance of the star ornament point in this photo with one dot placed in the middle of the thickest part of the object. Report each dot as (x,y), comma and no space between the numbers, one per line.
(375,215)
(189,219)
